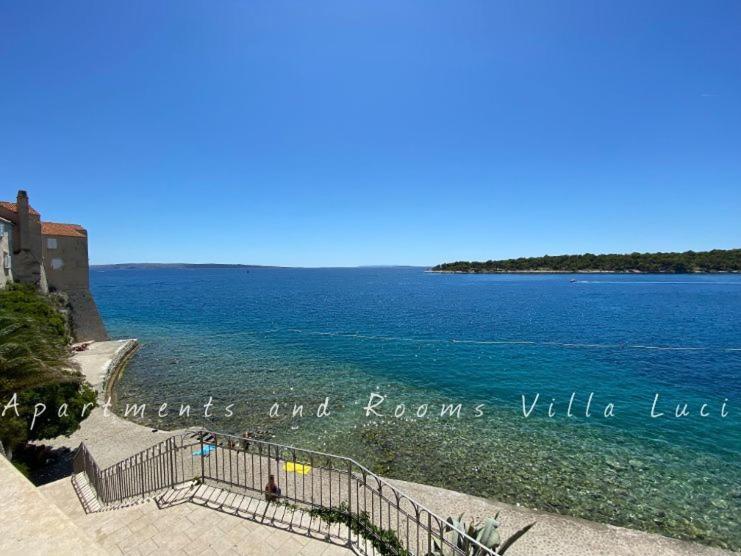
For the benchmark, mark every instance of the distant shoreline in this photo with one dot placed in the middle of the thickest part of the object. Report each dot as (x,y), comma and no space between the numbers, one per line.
(142,266)
(188,266)
(687,262)
(578,272)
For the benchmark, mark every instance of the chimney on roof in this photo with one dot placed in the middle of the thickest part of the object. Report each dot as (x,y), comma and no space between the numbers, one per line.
(24,243)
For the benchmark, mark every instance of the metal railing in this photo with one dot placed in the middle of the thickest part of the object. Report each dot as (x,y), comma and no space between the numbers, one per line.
(374,512)
(139,476)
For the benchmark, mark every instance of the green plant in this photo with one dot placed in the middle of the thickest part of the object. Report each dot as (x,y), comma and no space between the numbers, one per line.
(34,342)
(384,541)
(49,312)
(485,534)
(36,366)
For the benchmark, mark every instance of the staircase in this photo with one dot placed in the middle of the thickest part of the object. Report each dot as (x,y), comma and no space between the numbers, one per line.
(322,495)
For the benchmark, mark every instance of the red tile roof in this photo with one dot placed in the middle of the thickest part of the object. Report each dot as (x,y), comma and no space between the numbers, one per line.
(58,229)
(12,207)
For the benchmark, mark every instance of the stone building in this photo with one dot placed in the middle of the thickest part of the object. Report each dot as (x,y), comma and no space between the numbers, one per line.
(6,273)
(64,253)
(53,257)
(25,258)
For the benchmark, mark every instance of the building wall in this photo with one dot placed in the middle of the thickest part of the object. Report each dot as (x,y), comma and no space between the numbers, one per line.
(26,258)
(65,262)
(67,270)
(51,261)
(6,272)
(85,318)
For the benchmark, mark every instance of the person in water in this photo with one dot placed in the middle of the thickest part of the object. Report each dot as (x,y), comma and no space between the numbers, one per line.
(272,491)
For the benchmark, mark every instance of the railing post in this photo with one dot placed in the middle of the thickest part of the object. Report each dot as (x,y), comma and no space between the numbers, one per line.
(277,464)
(203,470)
(171,448)
(349,501)
(380,503)
(429,533)
(141,473)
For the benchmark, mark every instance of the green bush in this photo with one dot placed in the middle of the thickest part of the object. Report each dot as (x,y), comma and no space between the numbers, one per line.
(384,541)
(22,300)
(36,364)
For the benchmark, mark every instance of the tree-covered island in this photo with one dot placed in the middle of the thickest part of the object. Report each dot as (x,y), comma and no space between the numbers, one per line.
(717,260)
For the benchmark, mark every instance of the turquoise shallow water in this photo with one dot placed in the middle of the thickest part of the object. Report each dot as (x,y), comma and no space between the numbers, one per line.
(254,339)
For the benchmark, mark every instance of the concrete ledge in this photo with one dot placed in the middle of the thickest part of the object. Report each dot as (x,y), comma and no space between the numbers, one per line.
(103,362)
(116,366)
(31,524)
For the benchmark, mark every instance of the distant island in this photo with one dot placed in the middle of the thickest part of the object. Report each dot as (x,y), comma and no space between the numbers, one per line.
(141,266)
(717,260)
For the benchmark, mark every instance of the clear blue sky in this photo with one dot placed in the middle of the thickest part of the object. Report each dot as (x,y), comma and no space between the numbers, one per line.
(349,133)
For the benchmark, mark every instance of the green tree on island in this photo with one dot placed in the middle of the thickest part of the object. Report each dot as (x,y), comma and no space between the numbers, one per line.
(718,260)
(36,366)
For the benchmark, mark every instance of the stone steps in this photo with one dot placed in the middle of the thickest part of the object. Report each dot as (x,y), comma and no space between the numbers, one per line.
(196,519)
(229,504)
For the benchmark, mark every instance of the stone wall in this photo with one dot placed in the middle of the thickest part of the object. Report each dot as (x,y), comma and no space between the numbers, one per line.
(26,248)
(66,268)
(85,318)
(65,262)
(52,256)
(6,274)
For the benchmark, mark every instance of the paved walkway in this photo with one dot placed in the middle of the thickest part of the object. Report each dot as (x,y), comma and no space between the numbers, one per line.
(198,520)
(30,525)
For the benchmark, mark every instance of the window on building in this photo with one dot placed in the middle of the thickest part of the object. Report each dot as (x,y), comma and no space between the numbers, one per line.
(51,243)
(56,264)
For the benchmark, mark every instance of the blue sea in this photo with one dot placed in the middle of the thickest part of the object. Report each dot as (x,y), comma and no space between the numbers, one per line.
(504,347)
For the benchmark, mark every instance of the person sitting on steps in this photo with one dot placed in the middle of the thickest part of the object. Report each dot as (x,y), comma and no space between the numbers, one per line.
(272,491)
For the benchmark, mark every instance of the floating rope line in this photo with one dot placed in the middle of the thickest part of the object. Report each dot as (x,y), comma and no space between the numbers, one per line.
(509,342)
